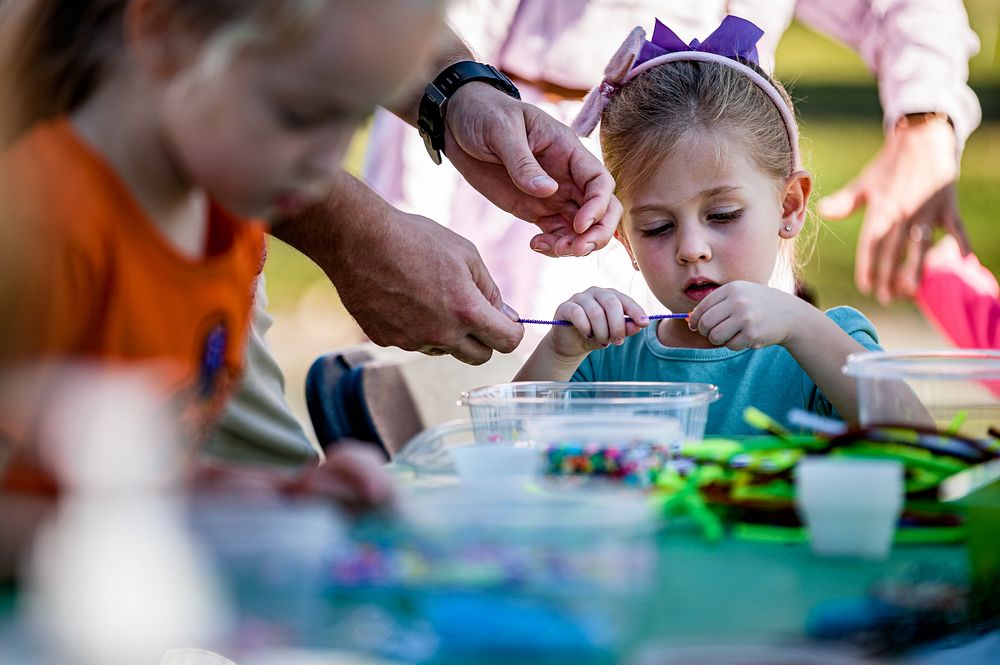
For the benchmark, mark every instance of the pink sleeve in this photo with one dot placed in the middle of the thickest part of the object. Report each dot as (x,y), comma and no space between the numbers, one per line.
(919,49)
(962,298)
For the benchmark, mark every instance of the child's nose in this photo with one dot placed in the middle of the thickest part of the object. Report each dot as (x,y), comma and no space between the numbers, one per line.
(692,247)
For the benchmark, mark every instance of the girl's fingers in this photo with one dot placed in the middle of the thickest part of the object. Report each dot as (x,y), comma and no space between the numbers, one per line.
(635,312)
(724,331)
(598,319)
(740,341)
(575,314)
(714,298)
(614,314)
(600,315)
(710,318)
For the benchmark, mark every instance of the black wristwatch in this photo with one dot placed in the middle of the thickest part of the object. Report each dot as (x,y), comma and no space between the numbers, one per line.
(430,120)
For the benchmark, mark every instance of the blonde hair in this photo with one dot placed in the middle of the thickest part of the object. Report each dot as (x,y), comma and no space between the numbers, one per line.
(669,106)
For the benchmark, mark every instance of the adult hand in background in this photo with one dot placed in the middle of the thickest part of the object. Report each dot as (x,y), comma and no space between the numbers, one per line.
(408,281)
(534,167)
(353,475)
(907,190)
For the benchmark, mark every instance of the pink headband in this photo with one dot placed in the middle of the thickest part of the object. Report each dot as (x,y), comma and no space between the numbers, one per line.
(734,38)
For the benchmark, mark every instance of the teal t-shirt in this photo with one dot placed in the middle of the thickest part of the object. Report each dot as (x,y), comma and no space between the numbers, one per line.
(769,378)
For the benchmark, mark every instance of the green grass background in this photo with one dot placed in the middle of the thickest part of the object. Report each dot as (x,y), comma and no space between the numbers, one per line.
(841,131)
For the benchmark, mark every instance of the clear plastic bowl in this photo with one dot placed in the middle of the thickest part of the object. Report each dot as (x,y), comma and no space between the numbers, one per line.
(601,446)
(431,452)
(929,389)
(498,409)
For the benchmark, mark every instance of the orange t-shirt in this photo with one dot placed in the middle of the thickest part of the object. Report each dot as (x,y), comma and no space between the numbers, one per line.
(98,281)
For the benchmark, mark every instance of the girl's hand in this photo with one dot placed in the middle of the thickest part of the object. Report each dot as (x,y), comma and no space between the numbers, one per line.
(742,315)
(598,318)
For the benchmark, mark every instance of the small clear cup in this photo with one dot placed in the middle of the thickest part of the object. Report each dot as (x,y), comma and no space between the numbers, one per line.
(491,466)
(850,507)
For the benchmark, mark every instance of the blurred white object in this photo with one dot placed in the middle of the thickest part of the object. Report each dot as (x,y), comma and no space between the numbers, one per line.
(495,467)
(850,506)
(115,578)
(312,657)
(193,657)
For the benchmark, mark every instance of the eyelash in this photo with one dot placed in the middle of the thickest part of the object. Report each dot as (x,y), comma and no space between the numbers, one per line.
(722,218)
(659,230)
(727,216)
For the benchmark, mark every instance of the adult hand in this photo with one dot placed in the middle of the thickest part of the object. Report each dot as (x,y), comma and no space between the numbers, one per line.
(408,281)
(353,475)
(427,290)
(534,167)
(908,189)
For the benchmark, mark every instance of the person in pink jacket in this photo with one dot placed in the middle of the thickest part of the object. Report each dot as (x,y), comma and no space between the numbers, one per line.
(960,297)
(555,51)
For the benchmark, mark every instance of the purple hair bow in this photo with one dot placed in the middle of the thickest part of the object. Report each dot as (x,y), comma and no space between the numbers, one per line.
(734,38)
(733,44)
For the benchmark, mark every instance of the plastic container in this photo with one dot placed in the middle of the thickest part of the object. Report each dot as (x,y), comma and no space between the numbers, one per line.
(503,409)
(849,506)
(605,446)
(938,389)
(433,453)
(537,577)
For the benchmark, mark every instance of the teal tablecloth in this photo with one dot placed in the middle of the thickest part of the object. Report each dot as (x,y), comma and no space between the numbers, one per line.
(733,591)
(739,589)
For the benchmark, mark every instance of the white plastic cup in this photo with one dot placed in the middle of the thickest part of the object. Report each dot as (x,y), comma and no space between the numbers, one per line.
(494,466)
(850,506)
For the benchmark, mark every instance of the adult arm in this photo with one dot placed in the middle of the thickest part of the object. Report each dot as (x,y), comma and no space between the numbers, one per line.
(525,162)
(919,49)
(408,281)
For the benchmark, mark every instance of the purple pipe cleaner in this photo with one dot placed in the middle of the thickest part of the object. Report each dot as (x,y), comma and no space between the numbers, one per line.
(563,322)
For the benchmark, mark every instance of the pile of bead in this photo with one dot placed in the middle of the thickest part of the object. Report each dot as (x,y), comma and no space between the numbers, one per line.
(638,465)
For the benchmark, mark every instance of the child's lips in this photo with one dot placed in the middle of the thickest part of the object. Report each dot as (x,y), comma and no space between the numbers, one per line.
(700,291)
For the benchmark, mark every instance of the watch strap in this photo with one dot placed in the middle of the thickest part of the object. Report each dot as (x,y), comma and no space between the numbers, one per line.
(434,102)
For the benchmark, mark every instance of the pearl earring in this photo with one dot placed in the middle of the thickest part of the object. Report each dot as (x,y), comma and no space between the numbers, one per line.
(634,264)
(788,228)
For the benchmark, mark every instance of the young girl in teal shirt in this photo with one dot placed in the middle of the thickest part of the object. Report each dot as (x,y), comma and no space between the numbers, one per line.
(704,148)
